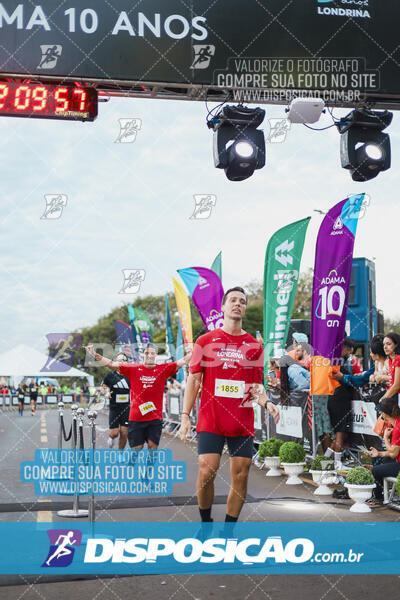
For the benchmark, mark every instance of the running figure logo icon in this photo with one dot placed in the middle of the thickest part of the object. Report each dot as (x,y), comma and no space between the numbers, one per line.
(62,348)
(202,56)
(50,56)
(203,205)
(61,551)
(128,129)
(132,280)
(55,204)
(278,129)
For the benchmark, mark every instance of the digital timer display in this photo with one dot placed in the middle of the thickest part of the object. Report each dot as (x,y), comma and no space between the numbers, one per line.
(48,101)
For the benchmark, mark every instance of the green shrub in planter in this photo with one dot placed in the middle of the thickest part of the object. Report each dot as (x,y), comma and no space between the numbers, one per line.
(398,485)
(322,463)
(360,476)
(270,448)
(292,452)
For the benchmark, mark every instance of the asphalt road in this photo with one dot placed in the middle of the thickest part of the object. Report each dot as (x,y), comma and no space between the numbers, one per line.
(269,499)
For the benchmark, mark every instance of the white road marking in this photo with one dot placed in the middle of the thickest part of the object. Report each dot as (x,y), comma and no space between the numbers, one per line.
(44,516)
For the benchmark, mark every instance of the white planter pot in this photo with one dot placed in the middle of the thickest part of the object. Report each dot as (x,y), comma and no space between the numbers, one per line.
(293,469)
(323,478)
(272,463)
(360,494)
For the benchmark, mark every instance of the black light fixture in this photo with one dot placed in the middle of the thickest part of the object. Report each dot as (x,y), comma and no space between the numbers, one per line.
(239,147)
(364,148)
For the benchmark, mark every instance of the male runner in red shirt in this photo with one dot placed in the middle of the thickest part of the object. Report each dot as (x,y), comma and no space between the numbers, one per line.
(147,382)
(229,364)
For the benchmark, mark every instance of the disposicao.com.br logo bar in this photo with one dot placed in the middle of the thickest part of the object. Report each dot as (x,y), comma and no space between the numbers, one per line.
(216,550)
(149,548)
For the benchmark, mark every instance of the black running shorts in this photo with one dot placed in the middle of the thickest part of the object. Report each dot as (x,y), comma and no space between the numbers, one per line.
(118,415)
(140,432)
(213,443)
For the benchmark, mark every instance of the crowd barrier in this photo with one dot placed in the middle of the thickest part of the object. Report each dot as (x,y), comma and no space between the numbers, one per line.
(296,421)
(11,401)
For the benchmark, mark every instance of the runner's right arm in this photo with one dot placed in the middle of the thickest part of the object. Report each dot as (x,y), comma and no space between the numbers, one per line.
(192,389)
(105,362)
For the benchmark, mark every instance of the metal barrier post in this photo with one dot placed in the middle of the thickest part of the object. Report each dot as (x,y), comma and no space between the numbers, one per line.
(92,415)
(60,418)
(75,512)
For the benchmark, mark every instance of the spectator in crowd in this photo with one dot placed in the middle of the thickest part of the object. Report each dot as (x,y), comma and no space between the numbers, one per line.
(391,344)
(339,404)
(298,338)
(303,354)
(273,372)
(390,464)
(297,376)
(377,371)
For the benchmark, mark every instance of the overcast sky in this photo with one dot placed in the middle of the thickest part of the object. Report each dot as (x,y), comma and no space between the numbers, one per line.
(129,207)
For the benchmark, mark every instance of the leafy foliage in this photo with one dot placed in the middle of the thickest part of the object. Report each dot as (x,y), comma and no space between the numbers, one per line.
(292,452)
(322,463)
(270,447)
(392,325)
(398,485)
(360,476)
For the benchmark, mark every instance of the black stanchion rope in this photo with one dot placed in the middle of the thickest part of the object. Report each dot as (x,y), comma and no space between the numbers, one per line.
(64,433)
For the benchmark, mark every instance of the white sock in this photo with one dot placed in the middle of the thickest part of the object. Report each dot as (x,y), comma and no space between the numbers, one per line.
(328,452)
(338,457)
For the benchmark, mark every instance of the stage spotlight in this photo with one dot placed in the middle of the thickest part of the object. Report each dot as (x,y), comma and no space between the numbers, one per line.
(239,147)
(364,148)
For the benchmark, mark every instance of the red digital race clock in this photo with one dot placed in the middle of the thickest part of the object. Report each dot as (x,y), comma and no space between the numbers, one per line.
(48,101)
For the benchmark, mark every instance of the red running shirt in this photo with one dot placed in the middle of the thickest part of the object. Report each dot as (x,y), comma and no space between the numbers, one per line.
(396,436)
(392,367)
(147,388)
(230,364)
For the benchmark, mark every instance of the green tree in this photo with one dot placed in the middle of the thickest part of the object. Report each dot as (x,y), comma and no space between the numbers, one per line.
(392,325)
(302,301)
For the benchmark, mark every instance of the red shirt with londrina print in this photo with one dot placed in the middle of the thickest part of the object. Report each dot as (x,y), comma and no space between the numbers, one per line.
(147,388)
(230,364)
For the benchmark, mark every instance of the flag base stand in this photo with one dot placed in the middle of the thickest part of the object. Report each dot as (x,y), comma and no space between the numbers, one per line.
(74,514)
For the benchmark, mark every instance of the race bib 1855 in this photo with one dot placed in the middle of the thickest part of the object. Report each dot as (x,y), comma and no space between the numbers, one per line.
(229,388)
